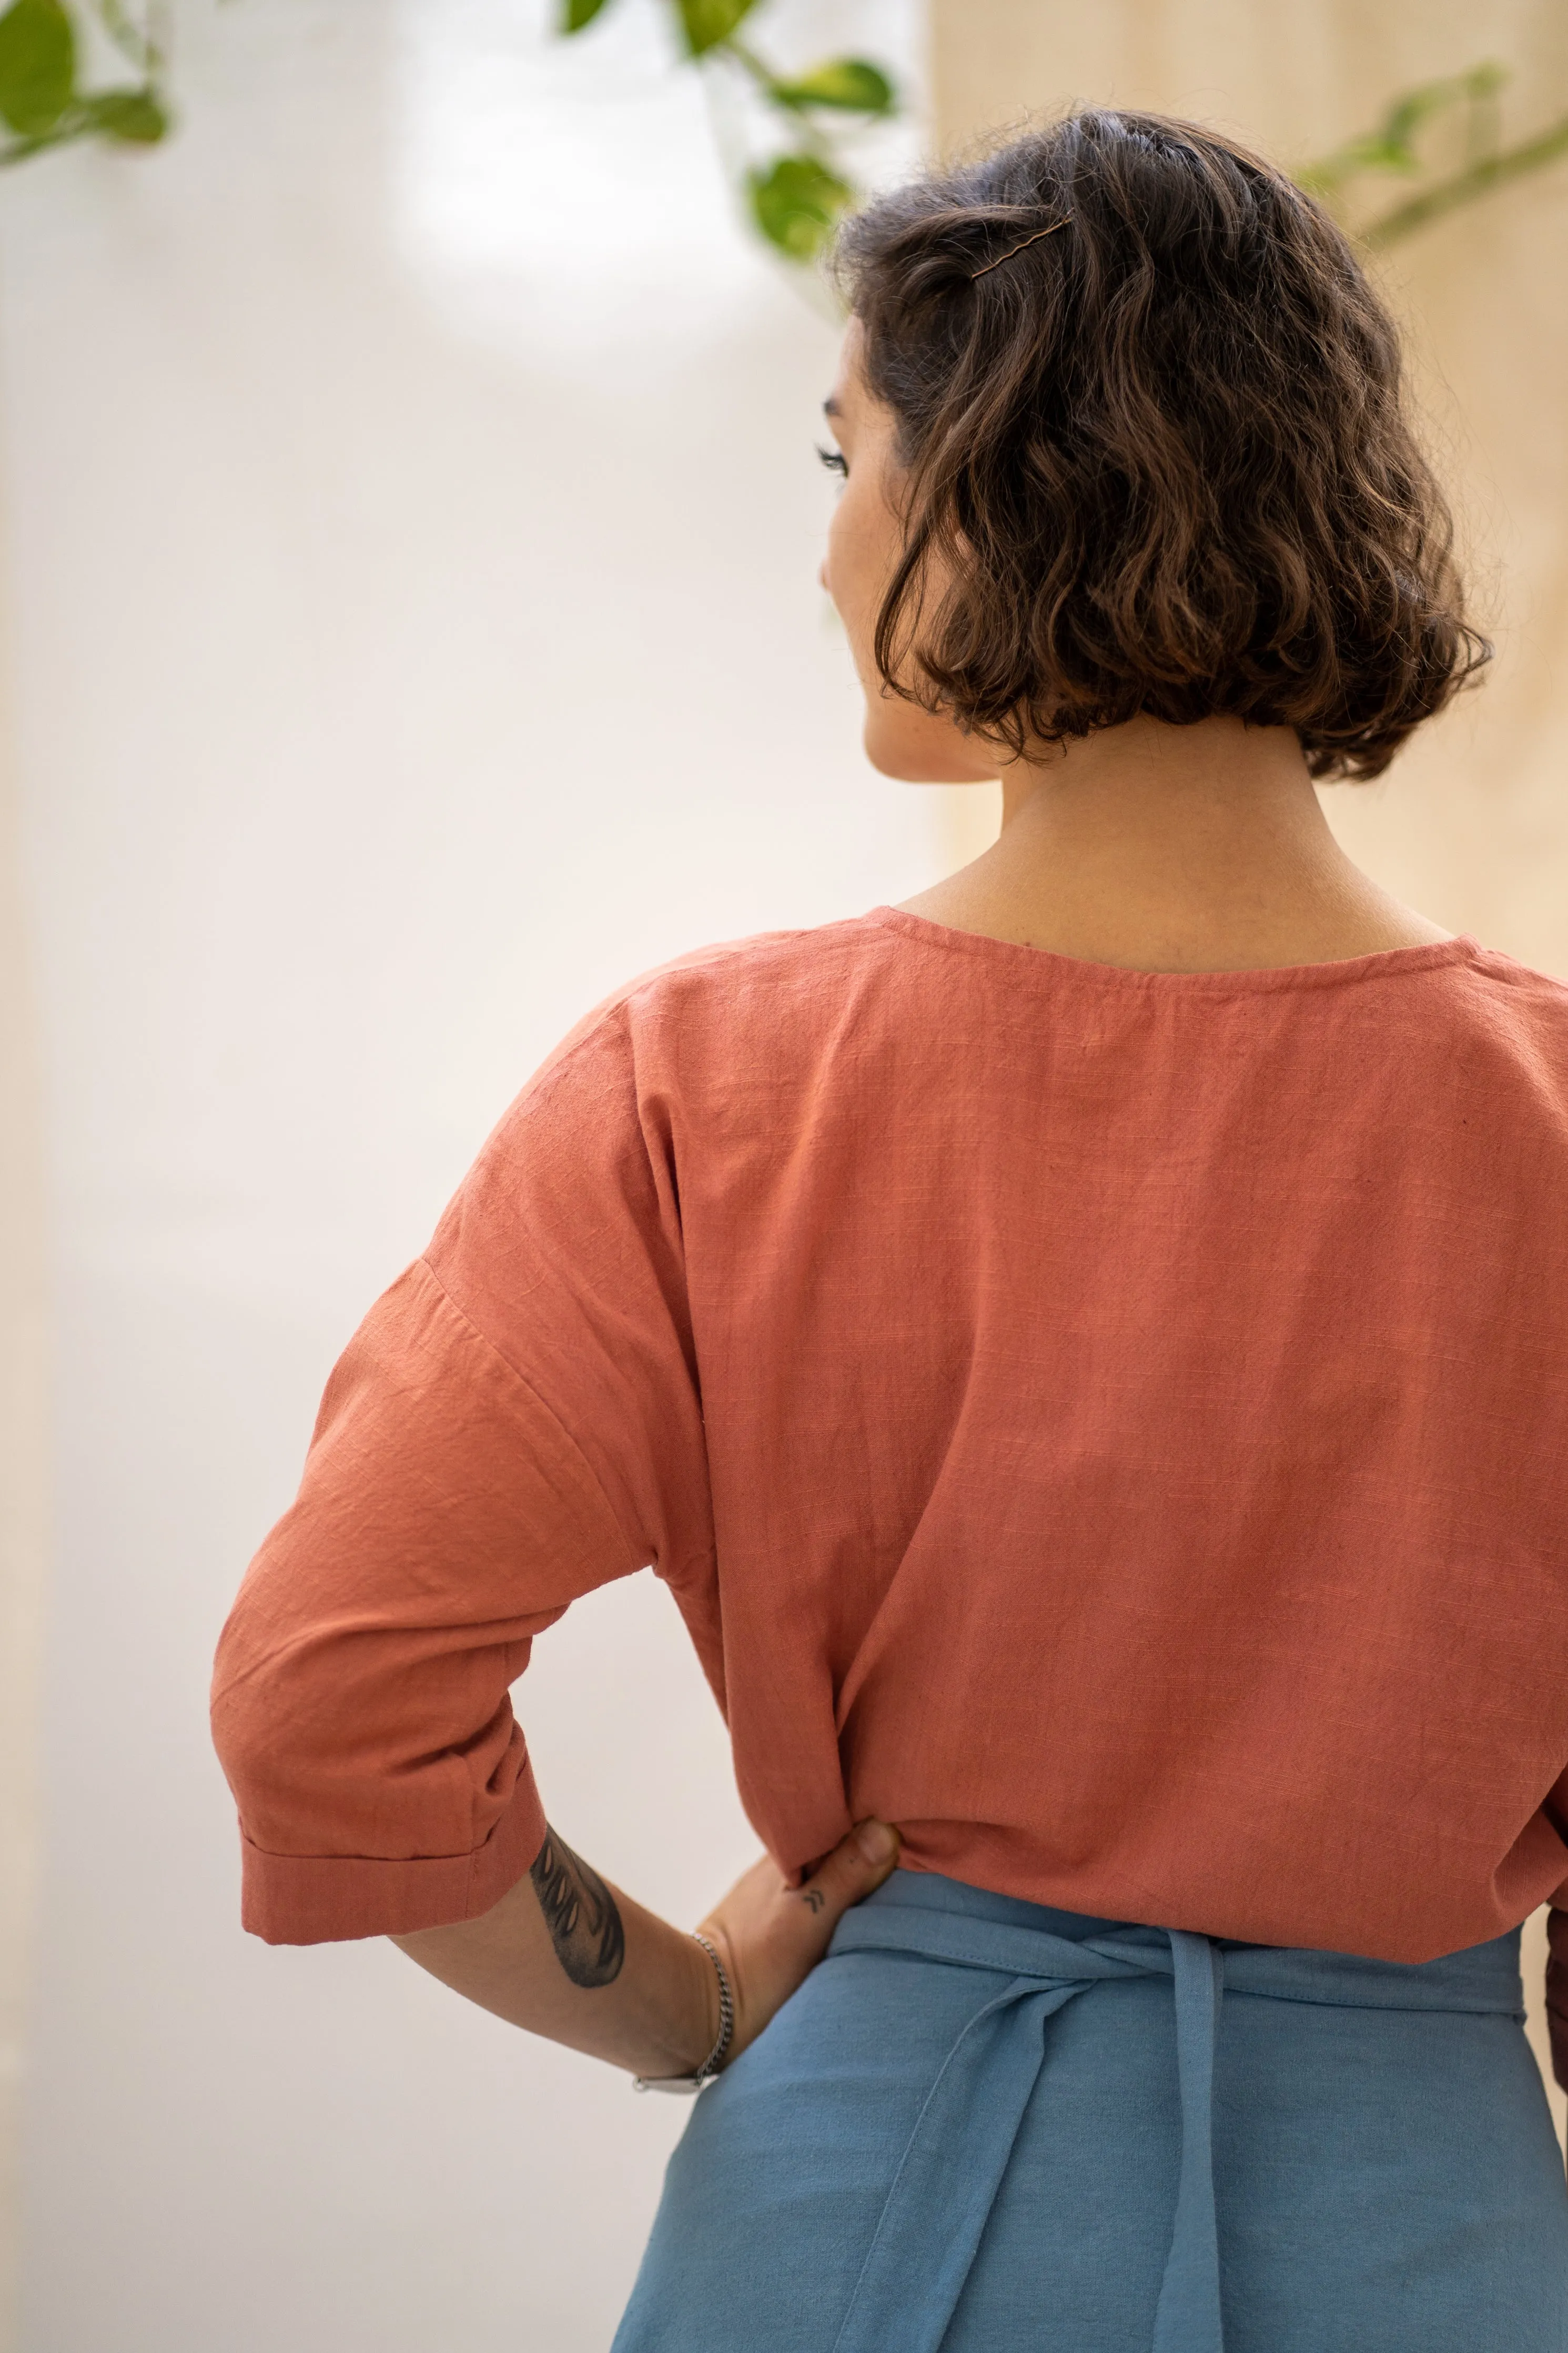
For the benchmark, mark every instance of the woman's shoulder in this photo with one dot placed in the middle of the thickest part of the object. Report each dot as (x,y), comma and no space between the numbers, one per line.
(735,1037)
(768,985)
(1531,988)
(766,968)
(1523,1010)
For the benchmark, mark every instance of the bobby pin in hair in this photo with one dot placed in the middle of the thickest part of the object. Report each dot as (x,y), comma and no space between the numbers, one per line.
(1012,249)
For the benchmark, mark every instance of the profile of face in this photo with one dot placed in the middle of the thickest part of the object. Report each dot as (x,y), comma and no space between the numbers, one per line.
(864,544)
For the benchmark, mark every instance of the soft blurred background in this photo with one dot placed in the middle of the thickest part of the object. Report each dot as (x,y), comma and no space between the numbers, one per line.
(409,524)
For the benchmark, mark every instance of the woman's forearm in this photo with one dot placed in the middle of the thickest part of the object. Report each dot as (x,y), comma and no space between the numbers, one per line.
(566,1956)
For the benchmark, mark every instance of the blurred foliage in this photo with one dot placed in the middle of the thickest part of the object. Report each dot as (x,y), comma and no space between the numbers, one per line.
(1445,137)
(796,199)
(1461,114)
(42,100)
(795,196)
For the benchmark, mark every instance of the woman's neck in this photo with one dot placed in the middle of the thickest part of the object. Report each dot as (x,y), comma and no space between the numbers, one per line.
(1167,848)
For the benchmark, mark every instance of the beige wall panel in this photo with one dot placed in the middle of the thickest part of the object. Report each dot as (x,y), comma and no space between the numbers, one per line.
(1472,824)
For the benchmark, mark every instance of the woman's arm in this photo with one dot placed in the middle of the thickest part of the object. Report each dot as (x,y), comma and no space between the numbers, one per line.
(567,1955)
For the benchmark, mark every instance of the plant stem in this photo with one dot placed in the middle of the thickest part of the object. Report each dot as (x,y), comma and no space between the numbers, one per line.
(19,149)
(767,83)
(1478,179)
(135,42)
(746,56)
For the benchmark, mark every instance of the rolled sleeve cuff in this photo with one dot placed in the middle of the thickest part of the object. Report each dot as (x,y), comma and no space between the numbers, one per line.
(319,1899)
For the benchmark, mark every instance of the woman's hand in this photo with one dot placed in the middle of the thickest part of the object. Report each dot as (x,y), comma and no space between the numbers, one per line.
(771,1936)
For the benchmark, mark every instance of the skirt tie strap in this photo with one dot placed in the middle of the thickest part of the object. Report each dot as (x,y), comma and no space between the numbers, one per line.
(935,2211)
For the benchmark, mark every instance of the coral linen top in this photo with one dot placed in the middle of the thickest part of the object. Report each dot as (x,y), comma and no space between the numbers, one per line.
(1112,1424)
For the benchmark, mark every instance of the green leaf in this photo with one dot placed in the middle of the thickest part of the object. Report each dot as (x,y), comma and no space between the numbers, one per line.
(1408,112)
(796,203)
(575,13)
(706,23)
(136,116)
(1392,146)
(852,84)
(37,65)
(1385,151)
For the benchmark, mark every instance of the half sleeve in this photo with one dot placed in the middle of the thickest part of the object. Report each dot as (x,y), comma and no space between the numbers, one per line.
(515,1423)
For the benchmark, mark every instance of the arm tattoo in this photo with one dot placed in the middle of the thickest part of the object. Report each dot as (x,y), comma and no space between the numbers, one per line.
(580,1914)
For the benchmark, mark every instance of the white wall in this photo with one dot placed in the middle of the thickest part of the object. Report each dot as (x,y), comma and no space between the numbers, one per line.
(411,528)
(24,1542)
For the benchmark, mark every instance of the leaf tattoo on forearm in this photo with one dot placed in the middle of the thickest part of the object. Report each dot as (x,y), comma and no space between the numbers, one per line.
(580,1914)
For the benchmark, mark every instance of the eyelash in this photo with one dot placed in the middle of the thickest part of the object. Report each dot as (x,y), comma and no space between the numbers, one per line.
(833,459)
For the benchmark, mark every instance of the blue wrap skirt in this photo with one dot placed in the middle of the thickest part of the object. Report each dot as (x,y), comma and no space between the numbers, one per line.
(983,2126)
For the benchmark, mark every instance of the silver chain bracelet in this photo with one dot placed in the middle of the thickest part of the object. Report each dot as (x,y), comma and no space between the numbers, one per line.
(716,2057)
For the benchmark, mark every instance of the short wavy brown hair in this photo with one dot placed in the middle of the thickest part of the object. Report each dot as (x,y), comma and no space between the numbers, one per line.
(1160,454)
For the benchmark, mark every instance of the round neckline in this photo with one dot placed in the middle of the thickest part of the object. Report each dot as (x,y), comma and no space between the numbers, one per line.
(1382,964)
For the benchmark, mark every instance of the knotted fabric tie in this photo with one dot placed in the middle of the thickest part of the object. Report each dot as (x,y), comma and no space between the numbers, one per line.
(937,2208)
